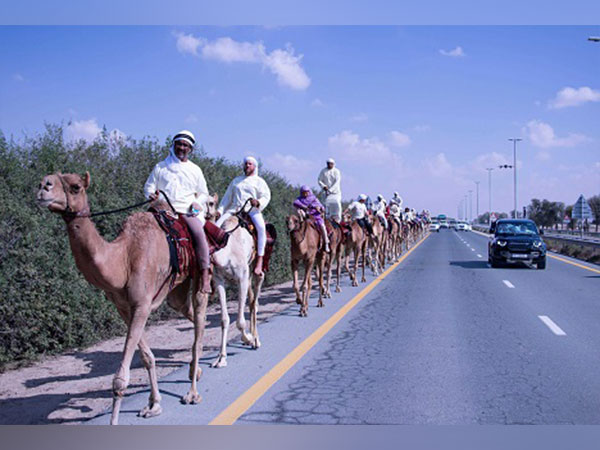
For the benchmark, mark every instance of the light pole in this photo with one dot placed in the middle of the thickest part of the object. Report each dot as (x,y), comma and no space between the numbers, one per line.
(477,208)
(470,205)
(515,140)
(489,169)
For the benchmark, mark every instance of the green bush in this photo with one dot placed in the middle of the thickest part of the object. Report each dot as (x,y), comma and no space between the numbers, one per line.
(46,306)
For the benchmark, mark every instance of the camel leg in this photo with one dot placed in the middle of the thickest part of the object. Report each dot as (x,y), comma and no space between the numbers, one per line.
(221,360)
(320,268)
(153,408)
(243,285)
(363,279)
(338,270)
(328,269)
(200,301)
(295,280)
(139,317)
(306,287)
(254,294)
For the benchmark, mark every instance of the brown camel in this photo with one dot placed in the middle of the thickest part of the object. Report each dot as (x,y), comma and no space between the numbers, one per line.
(356,243)
(377,243)
(335,244)
(305,242)
(131,270)
(393,248)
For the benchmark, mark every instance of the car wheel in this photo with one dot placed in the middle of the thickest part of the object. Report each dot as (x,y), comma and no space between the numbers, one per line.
(542,264)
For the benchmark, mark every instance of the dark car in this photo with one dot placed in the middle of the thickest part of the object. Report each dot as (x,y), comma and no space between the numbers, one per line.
(516,240)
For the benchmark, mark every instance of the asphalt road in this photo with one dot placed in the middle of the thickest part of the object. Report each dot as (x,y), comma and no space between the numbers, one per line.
(441,339)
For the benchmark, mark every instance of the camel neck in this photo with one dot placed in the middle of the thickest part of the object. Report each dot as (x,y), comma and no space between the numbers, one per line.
(91,252)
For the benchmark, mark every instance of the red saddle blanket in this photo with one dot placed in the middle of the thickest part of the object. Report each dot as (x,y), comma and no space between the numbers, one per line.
(181,248)
(271,238)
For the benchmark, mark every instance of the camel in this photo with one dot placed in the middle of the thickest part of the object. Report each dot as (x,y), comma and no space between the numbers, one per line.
(394,248)
(356,242)
(233,263)
(305,242)
(131,270)
(336,246)
(377,242)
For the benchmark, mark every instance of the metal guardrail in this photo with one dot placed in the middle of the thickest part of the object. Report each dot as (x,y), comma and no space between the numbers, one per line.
(585,242)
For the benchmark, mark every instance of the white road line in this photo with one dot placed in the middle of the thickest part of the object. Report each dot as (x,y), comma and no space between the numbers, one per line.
(555,328)
(508,283)
(479,256)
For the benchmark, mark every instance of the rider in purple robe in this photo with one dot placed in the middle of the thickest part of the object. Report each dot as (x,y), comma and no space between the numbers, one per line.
(310,204)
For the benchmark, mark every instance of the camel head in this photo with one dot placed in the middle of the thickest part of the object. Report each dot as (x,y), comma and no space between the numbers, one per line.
(293,222)
(210,204)
(64,193)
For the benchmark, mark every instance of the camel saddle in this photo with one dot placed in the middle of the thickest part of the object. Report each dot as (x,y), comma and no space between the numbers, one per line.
(181,248)
(246,222)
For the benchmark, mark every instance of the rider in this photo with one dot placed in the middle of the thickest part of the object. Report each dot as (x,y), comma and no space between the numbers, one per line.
(309,203)
(184,184)
(359,213)
(248,187)
(329,180)
(379,208)
(396,199)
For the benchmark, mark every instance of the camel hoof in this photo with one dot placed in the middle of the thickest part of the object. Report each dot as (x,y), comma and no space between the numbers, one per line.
(256,343)
(337,289)
(246,340)
(191,398)
(219,362)
(150,411)
(355,283)
(320,304)
(298,301)
(363,280)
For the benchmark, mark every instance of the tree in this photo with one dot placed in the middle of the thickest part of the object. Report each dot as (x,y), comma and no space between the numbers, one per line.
(594,203)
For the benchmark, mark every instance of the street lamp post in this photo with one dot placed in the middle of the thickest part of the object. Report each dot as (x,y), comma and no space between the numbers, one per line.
(489,169)
(470,205)
(515,140)
(477,208)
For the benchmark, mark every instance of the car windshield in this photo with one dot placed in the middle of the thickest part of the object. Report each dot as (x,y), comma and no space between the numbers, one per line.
(516,228)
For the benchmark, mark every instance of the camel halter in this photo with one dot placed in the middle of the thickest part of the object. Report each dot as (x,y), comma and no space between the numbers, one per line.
(69,215)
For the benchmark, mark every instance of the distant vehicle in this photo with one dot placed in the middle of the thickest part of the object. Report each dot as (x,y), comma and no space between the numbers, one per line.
(462,226)
(434,226)
(452,223)
(516,240)
(469,226)
(444,224)
(441,217)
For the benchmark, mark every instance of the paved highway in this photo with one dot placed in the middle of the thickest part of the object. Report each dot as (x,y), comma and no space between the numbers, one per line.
(440,339)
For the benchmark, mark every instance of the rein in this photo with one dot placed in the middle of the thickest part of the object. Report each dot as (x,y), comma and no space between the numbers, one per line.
(69,215)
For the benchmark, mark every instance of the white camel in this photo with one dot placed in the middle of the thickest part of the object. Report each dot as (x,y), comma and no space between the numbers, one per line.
(233,263)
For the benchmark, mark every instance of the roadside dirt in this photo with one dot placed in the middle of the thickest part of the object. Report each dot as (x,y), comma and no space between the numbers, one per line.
(75,386)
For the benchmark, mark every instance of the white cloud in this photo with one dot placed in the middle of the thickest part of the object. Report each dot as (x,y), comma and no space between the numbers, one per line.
(18,77)
(438,166)
(87,130)
(349,146)
(293,168)
(317,103)
(187,43)
(360,117)
(542,135)
(398,139)
(574,97)
(283,63)
(487,160)
(192,118)
(455,53)
(422,128)
(543,155)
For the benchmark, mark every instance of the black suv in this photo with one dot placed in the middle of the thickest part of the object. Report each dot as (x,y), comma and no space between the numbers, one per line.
(516,240)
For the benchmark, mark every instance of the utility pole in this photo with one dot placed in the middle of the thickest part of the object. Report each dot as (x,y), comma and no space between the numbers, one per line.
(477,184)
(489,169)
(470,205)
(515,140)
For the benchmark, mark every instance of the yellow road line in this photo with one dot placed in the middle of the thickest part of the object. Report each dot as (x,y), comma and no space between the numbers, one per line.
(591,269)
(230,414)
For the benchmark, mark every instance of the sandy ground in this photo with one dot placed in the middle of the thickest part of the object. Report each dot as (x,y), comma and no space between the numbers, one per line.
(75,386)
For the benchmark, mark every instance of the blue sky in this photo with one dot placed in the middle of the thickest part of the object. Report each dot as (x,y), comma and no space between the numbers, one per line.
(418,109)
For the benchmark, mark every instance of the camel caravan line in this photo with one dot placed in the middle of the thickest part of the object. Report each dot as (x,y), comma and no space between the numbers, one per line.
(153,258)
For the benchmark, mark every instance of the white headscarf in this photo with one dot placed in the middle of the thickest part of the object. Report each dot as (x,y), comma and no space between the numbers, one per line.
(253,160)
